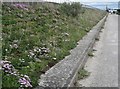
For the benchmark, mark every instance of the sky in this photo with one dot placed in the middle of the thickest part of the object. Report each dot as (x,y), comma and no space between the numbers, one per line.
(83,0)
(101,4)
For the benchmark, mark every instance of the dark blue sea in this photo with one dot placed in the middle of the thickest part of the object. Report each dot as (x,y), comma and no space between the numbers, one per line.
(102,5)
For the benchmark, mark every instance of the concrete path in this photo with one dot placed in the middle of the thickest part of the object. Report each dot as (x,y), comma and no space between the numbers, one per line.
(104,65)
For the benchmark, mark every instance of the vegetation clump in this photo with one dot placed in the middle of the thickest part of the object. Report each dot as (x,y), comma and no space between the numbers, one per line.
(71,9)
(83,74)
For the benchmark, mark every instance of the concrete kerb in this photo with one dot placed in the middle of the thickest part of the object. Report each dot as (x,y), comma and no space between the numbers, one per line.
(64,73)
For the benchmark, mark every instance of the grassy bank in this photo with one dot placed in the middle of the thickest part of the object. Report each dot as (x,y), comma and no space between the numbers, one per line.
(34,38)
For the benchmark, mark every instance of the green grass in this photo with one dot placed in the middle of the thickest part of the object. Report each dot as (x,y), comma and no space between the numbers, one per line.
(83,74)
(42,26)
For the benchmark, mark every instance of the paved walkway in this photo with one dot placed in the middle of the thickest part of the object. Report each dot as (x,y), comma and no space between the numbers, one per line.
(104,65)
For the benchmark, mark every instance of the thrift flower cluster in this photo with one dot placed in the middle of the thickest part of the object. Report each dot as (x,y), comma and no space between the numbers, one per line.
(22,6)
(25,81)
(7,67)
(37,53)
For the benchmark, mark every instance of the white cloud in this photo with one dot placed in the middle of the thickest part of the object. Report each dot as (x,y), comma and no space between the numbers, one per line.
(99,1)
(82,0)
